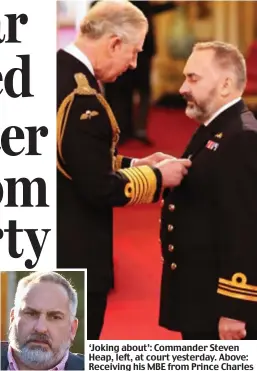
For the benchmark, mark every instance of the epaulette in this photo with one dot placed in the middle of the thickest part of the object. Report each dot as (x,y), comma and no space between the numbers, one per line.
(83,88)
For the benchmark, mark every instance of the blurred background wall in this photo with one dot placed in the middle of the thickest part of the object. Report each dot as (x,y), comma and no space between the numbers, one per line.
(176,31)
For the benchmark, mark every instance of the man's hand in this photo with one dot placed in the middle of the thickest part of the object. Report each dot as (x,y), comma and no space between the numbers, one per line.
(173,171)
(231,329)
(152,160)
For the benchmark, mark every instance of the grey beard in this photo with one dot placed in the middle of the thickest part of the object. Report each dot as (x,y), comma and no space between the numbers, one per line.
(37,357)
(197,113)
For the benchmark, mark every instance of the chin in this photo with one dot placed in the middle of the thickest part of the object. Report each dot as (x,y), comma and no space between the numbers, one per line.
(190,113)
(110,79)
(193,114)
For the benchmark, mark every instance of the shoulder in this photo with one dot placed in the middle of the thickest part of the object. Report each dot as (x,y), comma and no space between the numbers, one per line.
(239,147)
(249,122)
(243,138)
(4,360)
(238,153)
(75,362)
(4,346)
(78,356)
(242,133)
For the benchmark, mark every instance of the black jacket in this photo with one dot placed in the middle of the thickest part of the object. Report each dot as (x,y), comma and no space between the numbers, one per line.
(74,362)
(90,180)
(209,242)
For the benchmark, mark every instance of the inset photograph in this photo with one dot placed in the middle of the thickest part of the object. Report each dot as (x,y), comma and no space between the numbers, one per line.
(42,320)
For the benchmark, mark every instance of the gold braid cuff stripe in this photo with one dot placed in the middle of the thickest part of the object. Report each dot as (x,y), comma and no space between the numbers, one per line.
(237,288)
(141,186)
(83,88)
(237,295)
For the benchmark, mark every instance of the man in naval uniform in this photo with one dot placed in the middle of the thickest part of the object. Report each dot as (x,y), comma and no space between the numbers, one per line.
(209,223)
(92,176)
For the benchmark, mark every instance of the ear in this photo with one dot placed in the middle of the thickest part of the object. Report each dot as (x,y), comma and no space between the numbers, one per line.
(115,44)
(226,86)
(12,315)
(74,327)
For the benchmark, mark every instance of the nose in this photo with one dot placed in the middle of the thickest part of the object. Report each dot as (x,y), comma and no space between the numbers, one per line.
(184,89)
(40,324)
(133,63)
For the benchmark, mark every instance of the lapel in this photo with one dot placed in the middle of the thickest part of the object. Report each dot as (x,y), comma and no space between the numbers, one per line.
(220,124)
(74,362)
(197,142)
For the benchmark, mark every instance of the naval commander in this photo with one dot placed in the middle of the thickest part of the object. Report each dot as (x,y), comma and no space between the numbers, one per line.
(209,222)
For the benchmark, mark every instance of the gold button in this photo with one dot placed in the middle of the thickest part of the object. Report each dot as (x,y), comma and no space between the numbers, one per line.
(160,241)
(173,266)
(162,260)
(170,227)
(171,207)
(162,203)
(160,220)
(171,248)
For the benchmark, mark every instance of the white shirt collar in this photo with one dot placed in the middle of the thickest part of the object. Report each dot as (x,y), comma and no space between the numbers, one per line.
(75,52)
(223,108)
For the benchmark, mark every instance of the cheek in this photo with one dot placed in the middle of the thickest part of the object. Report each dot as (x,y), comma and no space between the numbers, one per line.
(123,61)
(127,58)
(24,329)
(210,88)
(59,333)
(200,92)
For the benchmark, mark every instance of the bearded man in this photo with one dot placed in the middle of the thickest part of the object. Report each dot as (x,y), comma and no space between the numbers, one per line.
(209,222)
(43,325)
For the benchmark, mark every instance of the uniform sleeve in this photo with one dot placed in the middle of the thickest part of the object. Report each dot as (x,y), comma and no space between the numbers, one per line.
(237,235)
(122,162)
(88,161)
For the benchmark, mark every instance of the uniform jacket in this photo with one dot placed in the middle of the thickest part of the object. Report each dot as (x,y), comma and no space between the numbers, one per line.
(209,236)
(92,178)
(74,362)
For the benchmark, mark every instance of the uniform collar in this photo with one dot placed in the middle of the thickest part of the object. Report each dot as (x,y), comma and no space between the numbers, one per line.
(77,53)
(223,108)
